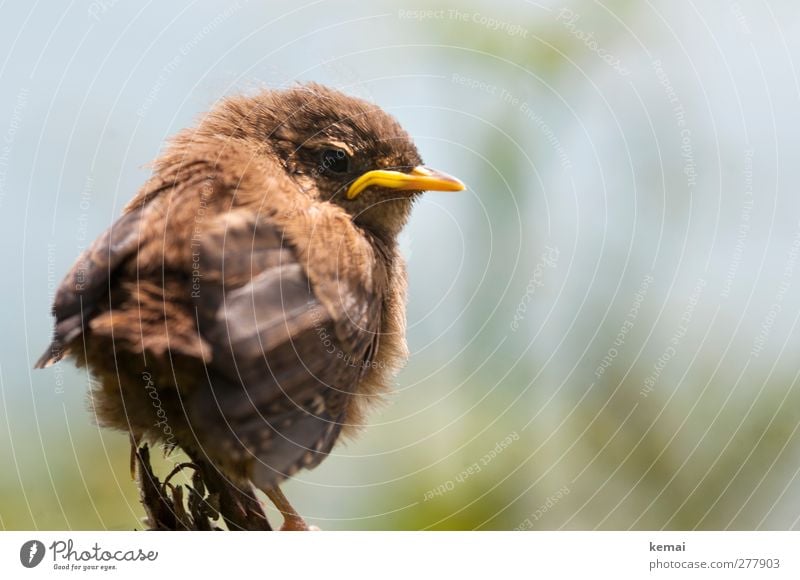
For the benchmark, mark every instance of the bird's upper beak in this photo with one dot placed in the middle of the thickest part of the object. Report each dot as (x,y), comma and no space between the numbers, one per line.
(420,178)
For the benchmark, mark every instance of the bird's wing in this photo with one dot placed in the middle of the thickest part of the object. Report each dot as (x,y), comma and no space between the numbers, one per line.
(278,376)
(83,289)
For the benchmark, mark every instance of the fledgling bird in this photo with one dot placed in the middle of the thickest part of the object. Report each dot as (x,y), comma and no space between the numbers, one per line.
(249,305)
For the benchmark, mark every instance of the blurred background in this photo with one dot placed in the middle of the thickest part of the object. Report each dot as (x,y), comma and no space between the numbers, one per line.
(603,327)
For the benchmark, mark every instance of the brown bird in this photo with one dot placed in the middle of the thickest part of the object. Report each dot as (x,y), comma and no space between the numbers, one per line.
(249,305)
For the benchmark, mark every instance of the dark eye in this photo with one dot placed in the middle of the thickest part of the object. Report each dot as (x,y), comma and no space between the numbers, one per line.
(334,160)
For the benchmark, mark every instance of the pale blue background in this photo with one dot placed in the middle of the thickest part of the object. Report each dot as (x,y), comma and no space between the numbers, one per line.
(90,91)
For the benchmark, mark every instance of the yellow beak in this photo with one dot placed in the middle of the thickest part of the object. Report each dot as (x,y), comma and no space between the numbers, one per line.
(420,178)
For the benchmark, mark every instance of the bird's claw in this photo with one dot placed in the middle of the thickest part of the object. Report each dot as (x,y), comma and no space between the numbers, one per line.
(297,524)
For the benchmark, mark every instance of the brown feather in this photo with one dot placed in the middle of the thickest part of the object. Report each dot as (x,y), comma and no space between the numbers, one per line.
(240,301)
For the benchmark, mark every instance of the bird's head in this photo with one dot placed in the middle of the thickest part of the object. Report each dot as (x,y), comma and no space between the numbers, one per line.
(344,150)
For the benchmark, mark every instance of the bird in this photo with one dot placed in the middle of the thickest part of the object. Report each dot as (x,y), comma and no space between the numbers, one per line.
(248,307)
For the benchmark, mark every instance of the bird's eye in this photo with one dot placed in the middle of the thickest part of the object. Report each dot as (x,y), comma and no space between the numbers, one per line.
(335,160)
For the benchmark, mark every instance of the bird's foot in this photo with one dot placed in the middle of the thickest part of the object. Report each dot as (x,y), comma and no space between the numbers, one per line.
(292,521)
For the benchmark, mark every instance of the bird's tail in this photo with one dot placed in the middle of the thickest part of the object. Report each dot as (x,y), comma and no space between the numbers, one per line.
(53,354)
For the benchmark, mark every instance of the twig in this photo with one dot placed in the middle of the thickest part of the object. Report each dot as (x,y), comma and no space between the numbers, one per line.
(209,496)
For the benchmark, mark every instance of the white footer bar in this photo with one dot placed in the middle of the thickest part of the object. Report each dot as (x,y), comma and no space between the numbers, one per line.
(415,555)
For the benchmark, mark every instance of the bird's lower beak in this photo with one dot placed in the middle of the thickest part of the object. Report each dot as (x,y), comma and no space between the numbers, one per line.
(420,178)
